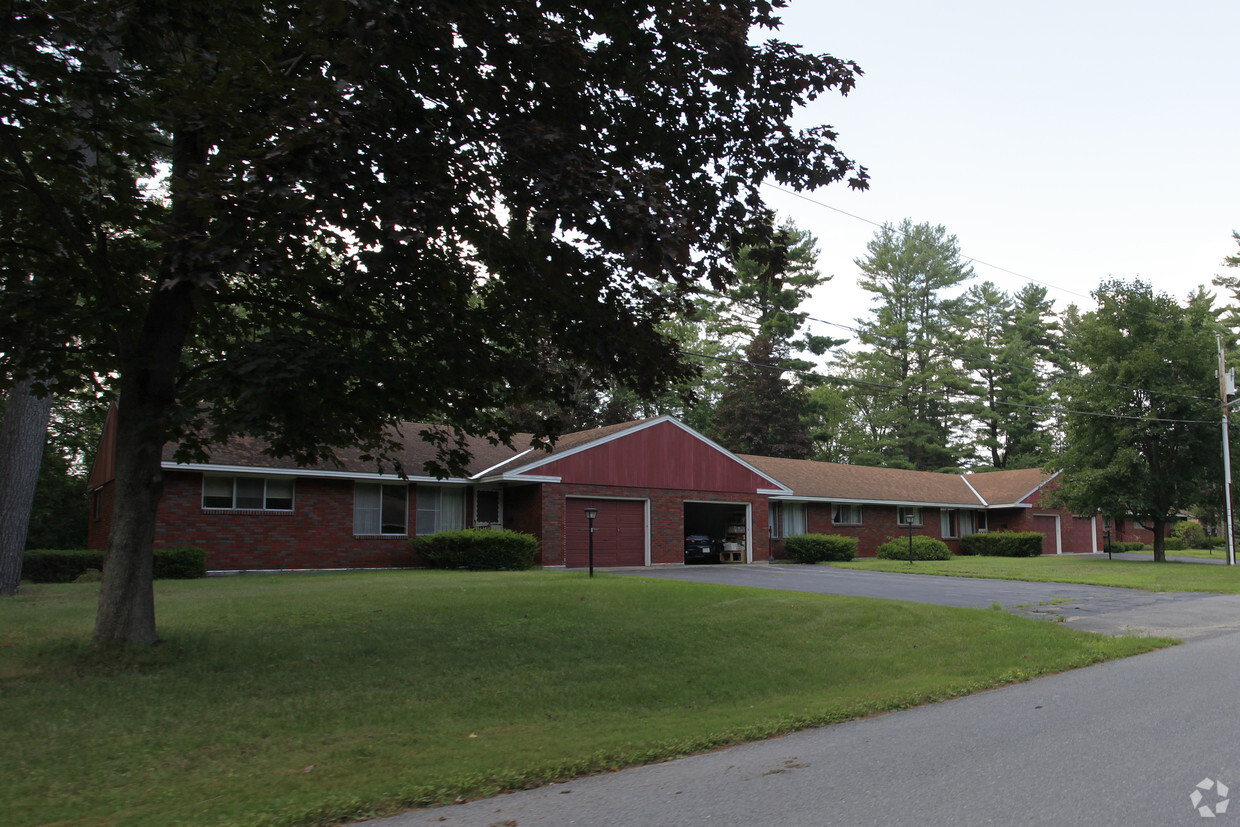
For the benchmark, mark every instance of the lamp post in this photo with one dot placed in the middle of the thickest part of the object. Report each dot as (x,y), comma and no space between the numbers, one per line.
(591,513)
(908,520)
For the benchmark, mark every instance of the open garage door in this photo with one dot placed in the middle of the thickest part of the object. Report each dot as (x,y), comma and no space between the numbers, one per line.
(619,533)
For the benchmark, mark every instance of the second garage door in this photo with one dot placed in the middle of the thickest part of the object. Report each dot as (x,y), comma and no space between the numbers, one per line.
(619,533)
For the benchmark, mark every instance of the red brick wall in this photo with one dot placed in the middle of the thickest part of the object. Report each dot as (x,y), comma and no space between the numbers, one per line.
(667,518)
(878,525)
(318,533)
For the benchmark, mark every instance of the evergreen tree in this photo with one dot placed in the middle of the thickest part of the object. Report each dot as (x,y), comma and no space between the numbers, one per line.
(773,280)
(1010,346)
(761,412)
(907,367)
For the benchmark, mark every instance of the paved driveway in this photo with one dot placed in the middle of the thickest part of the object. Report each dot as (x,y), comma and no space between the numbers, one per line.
(1185,615)
(1144,740)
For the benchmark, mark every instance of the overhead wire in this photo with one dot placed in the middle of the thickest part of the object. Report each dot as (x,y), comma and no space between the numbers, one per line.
(972,260)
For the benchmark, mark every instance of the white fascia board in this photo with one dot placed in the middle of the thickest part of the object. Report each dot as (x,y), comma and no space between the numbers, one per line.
(774,494)
(912,503)
(303,472)
(515,477)
(553,457)
(1041,485)
(483,473)
(980,498)
(996,506)
(658,420)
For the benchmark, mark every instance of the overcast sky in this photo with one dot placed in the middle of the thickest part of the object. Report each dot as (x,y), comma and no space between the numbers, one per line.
(1067,142)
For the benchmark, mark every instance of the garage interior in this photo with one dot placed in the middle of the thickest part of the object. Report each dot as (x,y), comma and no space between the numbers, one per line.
(727,523)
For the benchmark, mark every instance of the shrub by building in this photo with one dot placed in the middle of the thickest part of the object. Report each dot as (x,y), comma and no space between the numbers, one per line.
(477,549)
(1003,544)
(67,565)
(924,548)
(820,548)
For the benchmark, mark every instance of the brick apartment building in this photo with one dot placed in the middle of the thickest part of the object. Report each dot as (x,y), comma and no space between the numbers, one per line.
(651,483)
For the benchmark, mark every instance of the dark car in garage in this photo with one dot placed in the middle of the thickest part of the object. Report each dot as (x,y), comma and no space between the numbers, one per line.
(700,548)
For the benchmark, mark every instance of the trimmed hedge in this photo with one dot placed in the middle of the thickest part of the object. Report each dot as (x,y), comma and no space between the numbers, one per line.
(820,548)
(59,565)
(67,565)
(180,563)
(1003,544)
(1119,547)
(1174,544)
(477,549)
(924,548)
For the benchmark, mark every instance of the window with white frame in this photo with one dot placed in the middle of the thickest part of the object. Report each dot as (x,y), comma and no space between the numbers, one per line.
(846,514)
(949,519)
(380,508)
(440,508)
(959,522)
(792,520)
(907,515)
(254,493)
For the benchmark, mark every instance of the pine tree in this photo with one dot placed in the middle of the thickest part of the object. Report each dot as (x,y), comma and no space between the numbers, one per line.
(907,367)
(761,412)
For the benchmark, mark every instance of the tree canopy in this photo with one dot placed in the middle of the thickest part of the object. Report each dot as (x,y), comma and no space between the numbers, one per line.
(309,222)
(907,366)
(1142,435)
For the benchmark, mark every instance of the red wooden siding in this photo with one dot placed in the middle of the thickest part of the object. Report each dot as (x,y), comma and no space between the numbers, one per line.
(661,456)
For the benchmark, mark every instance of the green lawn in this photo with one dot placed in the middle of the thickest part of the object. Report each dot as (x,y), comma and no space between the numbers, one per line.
(310,699)
(1208,554)
(1097,571)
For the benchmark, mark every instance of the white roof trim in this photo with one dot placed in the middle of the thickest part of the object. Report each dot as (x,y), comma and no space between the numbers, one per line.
(980,498)
(520,474)
(484,472)
(1039,486)
(914,503)
(516,476)
(304,472)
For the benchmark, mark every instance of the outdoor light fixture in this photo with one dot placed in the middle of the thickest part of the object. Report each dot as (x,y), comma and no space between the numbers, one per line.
(909,518)
(591,513)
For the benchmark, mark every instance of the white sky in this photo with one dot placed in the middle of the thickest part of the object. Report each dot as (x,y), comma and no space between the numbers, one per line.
(1068,142)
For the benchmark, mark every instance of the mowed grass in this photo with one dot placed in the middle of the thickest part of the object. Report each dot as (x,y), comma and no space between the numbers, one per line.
(1096,571)
(312,699)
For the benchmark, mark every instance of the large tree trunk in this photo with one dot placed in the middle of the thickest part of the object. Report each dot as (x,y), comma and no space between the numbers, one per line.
(148,391)
(1160,544)
(126,612)
(22,434)
(149,367)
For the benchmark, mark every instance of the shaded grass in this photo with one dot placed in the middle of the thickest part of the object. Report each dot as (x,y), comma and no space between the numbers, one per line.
(1094,571)
(310,699)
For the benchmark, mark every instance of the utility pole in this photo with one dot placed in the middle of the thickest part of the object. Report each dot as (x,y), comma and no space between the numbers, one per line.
(1226,386)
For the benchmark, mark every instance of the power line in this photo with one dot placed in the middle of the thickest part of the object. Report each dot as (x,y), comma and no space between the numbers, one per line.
(1021,276)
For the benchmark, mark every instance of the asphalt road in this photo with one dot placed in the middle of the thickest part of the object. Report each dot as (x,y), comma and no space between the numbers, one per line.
(1184,615)
(1126,742)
